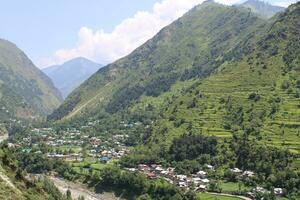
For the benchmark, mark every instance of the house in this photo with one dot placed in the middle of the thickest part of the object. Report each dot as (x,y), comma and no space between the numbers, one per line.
(181,178)
(131,169)
(205,181)
(201,174)
(196,181)
(144,168)
(182,184)
(236,171)
(278,191)
(201,188)
(159,169)
(248,174)
(260,190)
(210,167)
(150,175)
(104,159)
(164,173)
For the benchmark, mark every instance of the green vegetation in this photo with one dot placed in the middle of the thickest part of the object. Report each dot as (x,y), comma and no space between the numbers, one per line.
(261,8)
(193,46)
(219,86)
(246,79)
(15,184)
(24,90)
(206,196)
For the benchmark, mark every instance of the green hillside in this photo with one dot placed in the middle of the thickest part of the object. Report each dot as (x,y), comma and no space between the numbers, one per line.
(217,71)
(258,94)
(24,90)
(192,46)
(16,184)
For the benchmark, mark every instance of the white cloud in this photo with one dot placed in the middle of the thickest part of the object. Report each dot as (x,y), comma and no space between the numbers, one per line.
(104,47)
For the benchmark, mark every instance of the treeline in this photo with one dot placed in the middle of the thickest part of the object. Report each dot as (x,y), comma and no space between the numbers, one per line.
(126,95)
(136,186)
(189,147)
(38,189)
(190,153)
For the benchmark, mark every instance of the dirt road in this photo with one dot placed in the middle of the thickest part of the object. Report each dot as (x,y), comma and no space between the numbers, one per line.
(229,195)
(78,190)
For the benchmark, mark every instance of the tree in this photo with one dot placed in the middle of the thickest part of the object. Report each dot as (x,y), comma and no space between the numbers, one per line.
(69,195)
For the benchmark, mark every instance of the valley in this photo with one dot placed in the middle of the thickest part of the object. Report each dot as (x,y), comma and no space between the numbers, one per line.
(208,108)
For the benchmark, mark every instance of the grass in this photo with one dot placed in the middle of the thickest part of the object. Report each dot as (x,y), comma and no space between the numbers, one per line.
(89,163)
(206,196)
(229,187)
(75,149)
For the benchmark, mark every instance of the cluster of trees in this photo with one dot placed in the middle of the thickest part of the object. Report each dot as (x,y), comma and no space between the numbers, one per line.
(137,185)
(37,189)
(128,94)
(189,146)
(189,153)
(38,163)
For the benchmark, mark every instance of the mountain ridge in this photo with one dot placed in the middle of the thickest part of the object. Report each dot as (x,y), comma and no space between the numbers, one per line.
(154,73)
(24,89)
(262,8)
(71,74)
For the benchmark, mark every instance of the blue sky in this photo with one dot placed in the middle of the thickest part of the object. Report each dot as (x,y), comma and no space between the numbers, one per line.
(53,31)
(42,27)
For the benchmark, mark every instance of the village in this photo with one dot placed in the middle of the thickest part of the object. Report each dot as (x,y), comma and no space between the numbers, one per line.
(74,145)
(199,182)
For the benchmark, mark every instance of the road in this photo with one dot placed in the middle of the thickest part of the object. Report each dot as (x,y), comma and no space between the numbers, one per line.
(229,195)
(78,190)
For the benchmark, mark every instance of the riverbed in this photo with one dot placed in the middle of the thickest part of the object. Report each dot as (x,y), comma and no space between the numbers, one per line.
(78,190)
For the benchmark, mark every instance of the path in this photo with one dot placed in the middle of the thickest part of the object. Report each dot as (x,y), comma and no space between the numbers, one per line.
(78,190)
(229,195)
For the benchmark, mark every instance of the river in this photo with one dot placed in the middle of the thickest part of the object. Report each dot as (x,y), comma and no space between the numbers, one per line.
(78,190)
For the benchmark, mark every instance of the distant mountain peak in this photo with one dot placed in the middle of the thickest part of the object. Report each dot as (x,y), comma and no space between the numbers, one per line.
(71,74)
(262,8)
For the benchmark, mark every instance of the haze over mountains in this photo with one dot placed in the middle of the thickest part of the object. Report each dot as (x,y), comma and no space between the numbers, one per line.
(71,74)
(25,91)
(261,8)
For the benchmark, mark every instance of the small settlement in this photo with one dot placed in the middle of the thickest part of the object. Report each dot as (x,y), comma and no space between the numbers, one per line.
(104,149)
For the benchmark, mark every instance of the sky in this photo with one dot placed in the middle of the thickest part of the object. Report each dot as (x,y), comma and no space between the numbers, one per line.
(54,31)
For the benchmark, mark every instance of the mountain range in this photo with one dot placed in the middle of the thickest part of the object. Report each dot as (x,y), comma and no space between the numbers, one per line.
(25,91)
(71,74)
(217,70)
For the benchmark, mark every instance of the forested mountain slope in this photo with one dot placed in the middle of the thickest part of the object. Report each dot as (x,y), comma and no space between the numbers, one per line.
(193,46)
(258,94)
(25,91)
